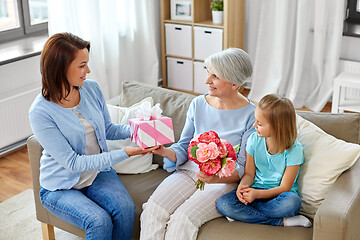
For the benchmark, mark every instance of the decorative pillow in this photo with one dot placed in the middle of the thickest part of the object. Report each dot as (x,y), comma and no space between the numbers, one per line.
(121,115)
(173,103)
(134,164)
(325,158)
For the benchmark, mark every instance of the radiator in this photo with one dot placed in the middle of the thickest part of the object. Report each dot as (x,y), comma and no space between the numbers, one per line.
(14,120)
(351,67)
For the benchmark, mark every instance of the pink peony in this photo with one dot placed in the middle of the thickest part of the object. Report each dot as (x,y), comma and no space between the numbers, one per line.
(207,151)
(208,137)
(191,157)
(230,151)
(222,148)
(213,155)
(228,168)
(210,167)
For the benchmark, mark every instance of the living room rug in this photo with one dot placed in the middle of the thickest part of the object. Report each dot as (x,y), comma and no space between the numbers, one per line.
(18,220)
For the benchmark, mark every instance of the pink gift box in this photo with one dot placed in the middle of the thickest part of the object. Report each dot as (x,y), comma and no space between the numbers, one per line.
(153,132)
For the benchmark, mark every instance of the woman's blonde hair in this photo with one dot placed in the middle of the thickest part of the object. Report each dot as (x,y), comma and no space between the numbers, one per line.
(280,113)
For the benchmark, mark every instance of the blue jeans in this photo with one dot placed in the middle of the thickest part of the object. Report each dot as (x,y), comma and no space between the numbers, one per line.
(261,211)
(104,210)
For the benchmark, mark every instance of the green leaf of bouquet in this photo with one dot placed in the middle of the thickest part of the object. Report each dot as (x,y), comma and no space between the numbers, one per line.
(237,148)
(223,162)
(193,151)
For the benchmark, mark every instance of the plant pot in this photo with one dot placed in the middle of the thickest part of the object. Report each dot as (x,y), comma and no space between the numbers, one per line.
(218,17)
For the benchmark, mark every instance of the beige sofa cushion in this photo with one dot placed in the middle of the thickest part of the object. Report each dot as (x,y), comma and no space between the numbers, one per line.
(134,164)
(325,159)
(344,126)
(173,103)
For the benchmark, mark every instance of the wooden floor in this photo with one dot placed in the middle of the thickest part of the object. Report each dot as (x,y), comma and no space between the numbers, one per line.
(15,175)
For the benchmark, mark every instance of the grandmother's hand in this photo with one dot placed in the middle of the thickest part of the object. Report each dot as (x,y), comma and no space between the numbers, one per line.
(165,152)
(160,150)
(207,179)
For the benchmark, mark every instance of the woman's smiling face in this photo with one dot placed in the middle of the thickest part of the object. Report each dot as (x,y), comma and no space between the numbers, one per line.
(78,69)
(217,87)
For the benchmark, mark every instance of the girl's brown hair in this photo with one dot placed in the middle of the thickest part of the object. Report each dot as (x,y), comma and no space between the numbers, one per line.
(58,53)
(280,113)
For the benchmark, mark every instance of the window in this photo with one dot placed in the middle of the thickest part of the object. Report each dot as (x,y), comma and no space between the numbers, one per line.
(353,11)
(19,18)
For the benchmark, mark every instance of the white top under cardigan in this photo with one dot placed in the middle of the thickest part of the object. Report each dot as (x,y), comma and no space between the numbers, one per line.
(91,147)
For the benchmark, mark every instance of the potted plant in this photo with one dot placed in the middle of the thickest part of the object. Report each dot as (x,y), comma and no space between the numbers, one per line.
(217,7)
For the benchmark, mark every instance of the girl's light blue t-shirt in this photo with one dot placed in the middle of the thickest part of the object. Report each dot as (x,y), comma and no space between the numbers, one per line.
(270,168)
(234,126)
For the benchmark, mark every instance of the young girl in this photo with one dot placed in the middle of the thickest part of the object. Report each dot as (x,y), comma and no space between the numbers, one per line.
(267,193)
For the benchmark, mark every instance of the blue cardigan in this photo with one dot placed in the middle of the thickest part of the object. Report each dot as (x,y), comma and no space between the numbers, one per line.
(234,126)
(62,136)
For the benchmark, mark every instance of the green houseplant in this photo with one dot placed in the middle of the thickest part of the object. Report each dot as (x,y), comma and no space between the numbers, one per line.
(217,7)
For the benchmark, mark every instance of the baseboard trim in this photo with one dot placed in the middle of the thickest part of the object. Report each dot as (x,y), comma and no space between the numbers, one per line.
(13,147)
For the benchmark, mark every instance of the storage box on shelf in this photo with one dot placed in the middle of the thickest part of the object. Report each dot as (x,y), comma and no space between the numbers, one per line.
(200,74)
(184,42)
(178,40)
(179,73)
(207,41)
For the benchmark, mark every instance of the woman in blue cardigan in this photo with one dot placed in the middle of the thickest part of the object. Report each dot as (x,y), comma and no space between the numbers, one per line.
(71,121)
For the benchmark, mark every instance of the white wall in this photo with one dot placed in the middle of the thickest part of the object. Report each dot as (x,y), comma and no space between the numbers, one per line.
(17,78)
(350,48)
(19,75)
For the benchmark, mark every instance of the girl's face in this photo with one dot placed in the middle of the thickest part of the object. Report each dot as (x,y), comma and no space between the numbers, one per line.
(217,86)
(262,125)
(78,68)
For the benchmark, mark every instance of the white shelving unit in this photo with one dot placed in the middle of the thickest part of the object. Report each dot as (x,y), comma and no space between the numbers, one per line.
(186,44)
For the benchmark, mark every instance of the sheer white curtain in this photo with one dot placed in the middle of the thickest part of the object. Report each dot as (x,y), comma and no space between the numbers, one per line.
(124,38)
(295,47)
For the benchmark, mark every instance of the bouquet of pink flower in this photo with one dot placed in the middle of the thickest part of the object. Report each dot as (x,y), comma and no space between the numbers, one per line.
(213,155)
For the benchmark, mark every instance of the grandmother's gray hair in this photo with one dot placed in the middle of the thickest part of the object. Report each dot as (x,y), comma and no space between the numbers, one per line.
(232,65)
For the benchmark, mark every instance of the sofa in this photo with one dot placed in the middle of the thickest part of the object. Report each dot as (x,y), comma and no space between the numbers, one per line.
(336,218)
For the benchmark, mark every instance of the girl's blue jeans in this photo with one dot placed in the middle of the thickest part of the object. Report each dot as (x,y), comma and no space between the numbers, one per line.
(104,210)
(261,211)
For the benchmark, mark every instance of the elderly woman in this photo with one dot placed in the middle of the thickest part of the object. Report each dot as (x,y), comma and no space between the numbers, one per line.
(177,208)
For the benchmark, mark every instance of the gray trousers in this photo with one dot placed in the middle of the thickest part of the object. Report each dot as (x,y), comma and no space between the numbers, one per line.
(176,210)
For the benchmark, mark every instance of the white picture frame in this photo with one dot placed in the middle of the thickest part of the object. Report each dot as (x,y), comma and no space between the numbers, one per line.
(181,10)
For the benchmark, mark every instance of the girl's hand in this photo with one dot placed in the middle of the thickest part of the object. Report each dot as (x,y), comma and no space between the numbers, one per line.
(250,194)
(205,178)
(240,195)
(131,151)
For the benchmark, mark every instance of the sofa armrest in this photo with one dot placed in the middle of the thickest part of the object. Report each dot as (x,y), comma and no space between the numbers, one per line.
(338,216)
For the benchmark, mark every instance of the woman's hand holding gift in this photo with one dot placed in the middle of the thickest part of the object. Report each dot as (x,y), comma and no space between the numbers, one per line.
(131,151)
